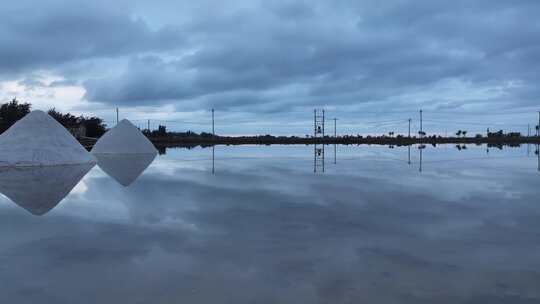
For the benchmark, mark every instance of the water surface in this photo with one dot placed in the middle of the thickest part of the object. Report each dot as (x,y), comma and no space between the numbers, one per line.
(281,225)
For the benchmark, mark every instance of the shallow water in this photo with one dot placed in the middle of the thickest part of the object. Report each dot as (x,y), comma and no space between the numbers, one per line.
(267,225)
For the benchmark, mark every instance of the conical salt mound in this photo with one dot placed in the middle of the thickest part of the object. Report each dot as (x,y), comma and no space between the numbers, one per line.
(39,140)
(125,138)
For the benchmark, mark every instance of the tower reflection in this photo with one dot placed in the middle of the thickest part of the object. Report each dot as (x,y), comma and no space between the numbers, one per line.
(318,158)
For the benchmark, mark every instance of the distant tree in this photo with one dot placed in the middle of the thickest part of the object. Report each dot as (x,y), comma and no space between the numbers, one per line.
(67,120)
(458,133)
(95,127)
(464,133)
(11,112)
(206,135)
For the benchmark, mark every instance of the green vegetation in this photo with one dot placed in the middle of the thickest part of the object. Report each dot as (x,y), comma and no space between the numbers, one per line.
(12,111)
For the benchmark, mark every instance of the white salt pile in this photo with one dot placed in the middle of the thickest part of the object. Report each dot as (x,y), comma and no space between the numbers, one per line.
(40,189)
(125,138)
(39,140)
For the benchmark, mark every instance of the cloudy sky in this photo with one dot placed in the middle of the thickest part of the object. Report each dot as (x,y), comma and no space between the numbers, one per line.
(264,65)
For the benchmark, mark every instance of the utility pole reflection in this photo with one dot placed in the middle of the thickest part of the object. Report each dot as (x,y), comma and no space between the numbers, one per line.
(538,155)
(335,154)
(421,148)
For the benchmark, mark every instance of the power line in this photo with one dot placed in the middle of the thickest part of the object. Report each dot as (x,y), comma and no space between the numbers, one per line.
(473,123)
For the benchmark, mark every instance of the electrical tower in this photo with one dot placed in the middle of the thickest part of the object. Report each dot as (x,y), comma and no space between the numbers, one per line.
(318,140)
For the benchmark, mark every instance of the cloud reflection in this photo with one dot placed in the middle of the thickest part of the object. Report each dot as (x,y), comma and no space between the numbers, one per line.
(378,232)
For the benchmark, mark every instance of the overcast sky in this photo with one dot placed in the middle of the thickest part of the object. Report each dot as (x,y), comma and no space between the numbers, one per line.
(264,65)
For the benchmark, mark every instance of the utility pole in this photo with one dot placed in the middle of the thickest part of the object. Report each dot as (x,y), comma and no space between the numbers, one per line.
(213,130)
(421,126)
(323,122)
(528,130)
(335,141)
(409,128)
(148,125)
(314,123)
(116,115)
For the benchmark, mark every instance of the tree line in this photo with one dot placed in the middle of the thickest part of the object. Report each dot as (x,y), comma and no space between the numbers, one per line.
(14,110)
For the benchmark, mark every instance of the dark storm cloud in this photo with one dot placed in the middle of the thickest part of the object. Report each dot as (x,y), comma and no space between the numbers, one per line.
(45,35)
(297,52)
(348,52)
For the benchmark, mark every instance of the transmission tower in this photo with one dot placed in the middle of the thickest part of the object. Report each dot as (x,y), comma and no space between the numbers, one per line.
(318,140)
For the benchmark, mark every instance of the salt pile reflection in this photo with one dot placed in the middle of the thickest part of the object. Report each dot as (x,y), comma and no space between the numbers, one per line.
(40,189)
(125,168)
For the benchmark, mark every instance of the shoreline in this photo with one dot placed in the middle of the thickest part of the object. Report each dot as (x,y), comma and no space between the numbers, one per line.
(508,141)
(386,141)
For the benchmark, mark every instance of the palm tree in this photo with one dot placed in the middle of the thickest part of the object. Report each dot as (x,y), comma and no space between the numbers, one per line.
(458,133)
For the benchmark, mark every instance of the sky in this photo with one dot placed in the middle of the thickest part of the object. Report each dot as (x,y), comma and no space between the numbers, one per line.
(264,66)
